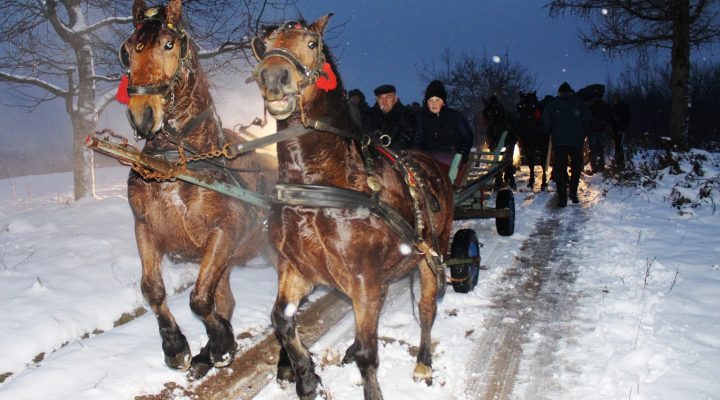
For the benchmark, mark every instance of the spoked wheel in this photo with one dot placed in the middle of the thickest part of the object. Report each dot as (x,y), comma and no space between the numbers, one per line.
(465,246)
(506,225)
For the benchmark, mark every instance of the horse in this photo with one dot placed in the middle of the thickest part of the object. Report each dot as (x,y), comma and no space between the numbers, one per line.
(349,213)
(497,121)
(533,140)
(171,108)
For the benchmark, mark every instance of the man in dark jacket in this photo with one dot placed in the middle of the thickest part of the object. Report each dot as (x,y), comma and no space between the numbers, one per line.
(598,132)
(620,123)
(391,120)
(567,119)
(440,130)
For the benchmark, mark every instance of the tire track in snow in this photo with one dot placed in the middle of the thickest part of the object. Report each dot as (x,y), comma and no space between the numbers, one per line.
(534,299)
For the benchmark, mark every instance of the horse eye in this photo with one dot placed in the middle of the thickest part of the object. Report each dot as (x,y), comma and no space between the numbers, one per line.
(169,45)
(312,45)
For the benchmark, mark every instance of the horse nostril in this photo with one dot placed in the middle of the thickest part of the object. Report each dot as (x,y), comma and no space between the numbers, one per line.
(285,77)
(148,122)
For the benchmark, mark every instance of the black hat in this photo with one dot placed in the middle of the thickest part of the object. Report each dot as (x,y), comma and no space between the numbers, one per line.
(565,88)
(436,89)
(356,92)
(384,89)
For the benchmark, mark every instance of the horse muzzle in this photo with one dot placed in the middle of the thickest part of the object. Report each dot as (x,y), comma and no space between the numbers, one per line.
(278,90)
(144,125)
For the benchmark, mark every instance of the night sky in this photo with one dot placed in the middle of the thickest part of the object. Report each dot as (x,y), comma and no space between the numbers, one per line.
(387,41)
(377,42)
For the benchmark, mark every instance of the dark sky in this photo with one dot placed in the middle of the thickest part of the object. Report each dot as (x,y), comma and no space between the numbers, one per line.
(384,41)
(387,41)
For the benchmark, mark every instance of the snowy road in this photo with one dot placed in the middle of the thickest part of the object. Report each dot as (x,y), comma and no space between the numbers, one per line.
(532,297)
(565,308)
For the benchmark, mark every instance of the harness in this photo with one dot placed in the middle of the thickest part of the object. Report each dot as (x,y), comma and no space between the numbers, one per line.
(322,196)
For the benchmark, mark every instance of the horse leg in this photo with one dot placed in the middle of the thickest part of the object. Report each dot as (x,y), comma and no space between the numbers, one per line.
(531,166)
(174,344)
(367,298)
(212,301)
(428,310)
(543,184)
(292,288)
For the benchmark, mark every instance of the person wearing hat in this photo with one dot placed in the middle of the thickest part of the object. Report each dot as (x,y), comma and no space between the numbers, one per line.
(440,130)
(391,120)
(567,119)
(359,108)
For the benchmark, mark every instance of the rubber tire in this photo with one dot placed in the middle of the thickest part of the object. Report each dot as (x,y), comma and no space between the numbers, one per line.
(505,199)
(464,245)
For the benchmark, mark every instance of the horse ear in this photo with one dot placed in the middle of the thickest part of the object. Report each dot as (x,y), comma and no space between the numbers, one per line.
(173,12)
(319,25)
(138,9)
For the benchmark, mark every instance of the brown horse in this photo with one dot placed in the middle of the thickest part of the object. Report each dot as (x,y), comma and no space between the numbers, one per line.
(349,213)
(170,106)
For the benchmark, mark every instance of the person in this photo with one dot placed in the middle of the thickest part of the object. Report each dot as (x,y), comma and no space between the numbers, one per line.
(620,123)
(359,108)
(598,132)
(566,119)
(440,130)
(392,121)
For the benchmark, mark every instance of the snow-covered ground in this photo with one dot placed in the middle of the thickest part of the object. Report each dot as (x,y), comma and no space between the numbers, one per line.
(641,321)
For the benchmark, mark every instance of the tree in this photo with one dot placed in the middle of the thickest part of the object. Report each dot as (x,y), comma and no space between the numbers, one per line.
(622,26)
(470,79)
(67,50)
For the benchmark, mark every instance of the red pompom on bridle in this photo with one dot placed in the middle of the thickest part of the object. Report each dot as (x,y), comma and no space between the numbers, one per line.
(327,80)
(122,95)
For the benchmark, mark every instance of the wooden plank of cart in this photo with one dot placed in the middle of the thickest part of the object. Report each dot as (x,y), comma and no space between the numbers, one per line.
(476,184)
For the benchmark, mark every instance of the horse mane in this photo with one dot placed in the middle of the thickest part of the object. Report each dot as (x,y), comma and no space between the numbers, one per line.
(338,108)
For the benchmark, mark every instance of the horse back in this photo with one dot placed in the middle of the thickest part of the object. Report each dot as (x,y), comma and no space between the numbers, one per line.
(181,216)
(332,246)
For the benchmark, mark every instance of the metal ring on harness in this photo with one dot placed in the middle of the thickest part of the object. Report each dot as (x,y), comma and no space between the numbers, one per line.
(385,140)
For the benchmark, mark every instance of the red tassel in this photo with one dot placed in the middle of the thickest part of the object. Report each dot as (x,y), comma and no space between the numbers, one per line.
(122,95)
(327,80)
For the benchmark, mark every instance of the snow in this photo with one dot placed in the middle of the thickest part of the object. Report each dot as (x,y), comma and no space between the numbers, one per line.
(638,313)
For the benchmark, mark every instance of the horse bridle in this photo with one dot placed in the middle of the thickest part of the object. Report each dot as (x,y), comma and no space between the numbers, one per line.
(165,88)
(310,75)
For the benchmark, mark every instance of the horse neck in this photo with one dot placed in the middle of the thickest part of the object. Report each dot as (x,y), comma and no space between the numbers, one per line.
(318,157)
(192,98)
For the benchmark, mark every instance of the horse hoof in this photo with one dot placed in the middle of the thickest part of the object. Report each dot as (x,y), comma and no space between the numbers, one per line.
(199,367)
(285,374)
(224,360)
(179,361)
(318,391)
(422,373)
(350,354)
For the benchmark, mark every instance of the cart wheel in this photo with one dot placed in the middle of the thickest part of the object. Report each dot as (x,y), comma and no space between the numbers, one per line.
(505,199)
(465,245)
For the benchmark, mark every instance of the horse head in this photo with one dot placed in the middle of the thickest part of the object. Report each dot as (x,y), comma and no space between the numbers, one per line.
(528,105)
(157,57)
(292,66)
(494,112)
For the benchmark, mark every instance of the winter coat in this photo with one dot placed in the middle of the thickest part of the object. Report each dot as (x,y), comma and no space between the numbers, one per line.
(359,113)
(621,116)
(567,119)
(447,131)
(399,124)
(601,115)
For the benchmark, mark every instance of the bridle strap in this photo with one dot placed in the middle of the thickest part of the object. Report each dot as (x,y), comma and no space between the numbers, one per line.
(288,56)
(148,90)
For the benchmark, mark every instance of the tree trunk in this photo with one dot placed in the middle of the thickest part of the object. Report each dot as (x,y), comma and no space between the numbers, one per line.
(84,116)
(680,78)
(82,158)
